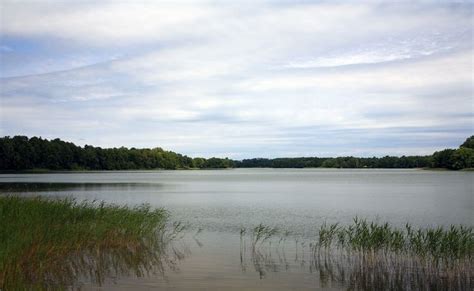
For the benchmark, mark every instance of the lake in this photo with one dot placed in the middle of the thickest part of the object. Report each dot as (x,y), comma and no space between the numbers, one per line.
(216,204)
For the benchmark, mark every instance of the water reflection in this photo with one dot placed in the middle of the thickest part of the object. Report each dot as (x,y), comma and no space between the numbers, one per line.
(389,271)
(9,187)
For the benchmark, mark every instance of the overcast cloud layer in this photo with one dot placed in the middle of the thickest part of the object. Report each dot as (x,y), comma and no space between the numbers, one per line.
(245,80)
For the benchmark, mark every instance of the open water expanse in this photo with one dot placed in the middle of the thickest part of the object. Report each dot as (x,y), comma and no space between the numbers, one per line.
(217,204)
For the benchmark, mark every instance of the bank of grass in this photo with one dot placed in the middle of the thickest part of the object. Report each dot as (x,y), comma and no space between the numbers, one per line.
(52,243)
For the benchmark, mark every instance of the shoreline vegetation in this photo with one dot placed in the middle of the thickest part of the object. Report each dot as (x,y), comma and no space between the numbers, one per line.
(56,244)
(370,255)
(20,153)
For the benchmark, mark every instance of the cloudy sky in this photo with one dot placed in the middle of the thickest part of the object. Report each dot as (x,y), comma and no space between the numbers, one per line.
(248,79)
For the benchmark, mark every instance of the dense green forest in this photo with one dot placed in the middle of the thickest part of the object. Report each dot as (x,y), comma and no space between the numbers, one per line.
(339,162)
(454,159)
(23,153)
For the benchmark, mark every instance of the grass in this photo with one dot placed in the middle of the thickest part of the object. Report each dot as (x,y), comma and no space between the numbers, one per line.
(449,244)
(372,255)
(48,243)
(368,255)
(261,233)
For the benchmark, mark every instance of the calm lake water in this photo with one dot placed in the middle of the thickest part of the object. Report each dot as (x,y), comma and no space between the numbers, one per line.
(216,204)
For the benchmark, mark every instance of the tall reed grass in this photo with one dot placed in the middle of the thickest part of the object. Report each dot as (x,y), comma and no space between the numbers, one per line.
(447,244)
(47,243)
(371,256)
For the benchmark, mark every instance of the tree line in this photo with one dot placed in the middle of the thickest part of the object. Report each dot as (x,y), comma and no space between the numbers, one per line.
(23,153)
(454,159)
(339,162)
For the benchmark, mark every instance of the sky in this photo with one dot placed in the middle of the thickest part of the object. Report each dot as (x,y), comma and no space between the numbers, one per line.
(240,79)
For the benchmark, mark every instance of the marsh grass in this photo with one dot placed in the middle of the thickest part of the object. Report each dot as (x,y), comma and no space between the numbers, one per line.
(371,256)
(438,244)
(47,243)
(262,233)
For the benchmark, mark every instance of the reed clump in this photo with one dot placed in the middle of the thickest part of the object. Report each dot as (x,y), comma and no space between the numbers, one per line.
(367,255)
(371,255)
(449,244)
(47,243)
(262,233)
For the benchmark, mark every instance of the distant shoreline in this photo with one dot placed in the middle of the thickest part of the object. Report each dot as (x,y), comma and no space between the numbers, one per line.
(47,171)
(35,154)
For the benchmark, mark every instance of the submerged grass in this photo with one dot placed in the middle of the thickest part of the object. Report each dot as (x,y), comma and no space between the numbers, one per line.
(48,243)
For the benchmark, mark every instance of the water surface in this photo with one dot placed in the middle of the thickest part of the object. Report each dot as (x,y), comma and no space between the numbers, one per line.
(218,203)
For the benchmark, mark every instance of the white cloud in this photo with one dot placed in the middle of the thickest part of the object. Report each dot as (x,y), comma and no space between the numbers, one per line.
(215,79)
(101,23)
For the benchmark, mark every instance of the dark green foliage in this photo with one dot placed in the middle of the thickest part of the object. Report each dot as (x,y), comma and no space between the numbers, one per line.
(339,162)
(310,162)
(443,159)
(216,163)
(469,143)
(461,158)
(21,153)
